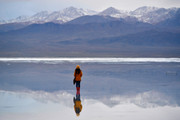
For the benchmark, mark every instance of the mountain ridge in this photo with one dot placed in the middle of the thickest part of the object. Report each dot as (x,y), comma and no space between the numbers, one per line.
(147,14)
(94,36)
(113,38)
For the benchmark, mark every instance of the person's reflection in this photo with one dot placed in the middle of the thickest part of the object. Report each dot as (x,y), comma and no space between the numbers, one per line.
(77,104)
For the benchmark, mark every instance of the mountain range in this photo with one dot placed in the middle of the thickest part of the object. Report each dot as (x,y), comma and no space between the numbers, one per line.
(97,35)
(147,14)
(62,16)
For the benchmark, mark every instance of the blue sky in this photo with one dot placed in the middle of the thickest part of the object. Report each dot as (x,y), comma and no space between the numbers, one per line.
(13,8)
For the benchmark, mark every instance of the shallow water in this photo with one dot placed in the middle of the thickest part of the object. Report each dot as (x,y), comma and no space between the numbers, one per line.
(109,90)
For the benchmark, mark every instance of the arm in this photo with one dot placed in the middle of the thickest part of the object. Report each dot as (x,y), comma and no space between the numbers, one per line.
(81,73)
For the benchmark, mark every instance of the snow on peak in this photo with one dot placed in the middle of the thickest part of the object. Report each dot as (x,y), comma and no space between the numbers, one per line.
(110,11)
(73,12)
(153,15)
(41,14)
(62,16)
(68,14)
(22,17)
(145,14)
(144,9)
(113,12)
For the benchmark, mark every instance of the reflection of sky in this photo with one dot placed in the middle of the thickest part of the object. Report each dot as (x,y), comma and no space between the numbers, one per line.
(99,79)
(42,91)
(59,105)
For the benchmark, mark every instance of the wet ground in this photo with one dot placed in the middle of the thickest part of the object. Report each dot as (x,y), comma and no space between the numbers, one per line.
(43,91)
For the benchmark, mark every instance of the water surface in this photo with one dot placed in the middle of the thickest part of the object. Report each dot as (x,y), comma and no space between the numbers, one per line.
(110,89)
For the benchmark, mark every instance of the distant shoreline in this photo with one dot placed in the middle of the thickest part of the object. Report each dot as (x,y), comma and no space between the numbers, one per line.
(89,60)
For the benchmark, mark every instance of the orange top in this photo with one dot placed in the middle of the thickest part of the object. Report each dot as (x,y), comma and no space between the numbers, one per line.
(78,76)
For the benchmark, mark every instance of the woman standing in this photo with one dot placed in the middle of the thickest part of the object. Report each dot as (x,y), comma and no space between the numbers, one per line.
(77,78)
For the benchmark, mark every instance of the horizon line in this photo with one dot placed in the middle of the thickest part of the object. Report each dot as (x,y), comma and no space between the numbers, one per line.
(88,60)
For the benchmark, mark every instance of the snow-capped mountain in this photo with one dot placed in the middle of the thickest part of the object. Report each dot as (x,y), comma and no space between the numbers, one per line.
(19,19)
(153,15)
(143,10)
(40,16)
(62,16)
(146,14)
(68,14)
(110,11)
(113,12)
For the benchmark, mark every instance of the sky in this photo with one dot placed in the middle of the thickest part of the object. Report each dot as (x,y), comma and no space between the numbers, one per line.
(10,9)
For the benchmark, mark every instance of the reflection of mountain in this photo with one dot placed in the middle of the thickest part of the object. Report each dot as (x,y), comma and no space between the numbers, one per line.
(30,105)
(145,100)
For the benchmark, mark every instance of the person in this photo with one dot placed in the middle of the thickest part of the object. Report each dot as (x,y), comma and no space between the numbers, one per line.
(77,78)
(77,105)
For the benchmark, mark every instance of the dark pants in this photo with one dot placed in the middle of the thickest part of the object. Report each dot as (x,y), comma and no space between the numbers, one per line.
(78,83)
